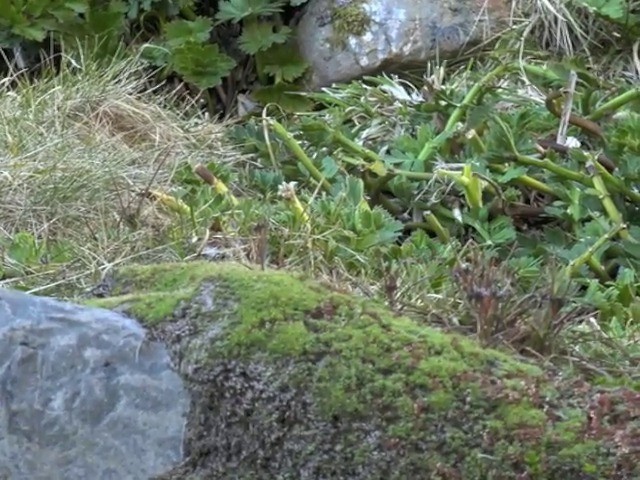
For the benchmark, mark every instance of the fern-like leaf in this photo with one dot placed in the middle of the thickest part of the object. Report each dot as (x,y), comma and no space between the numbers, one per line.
(236,10)
(261,36)
(203,65)
(179,32)
(283,62)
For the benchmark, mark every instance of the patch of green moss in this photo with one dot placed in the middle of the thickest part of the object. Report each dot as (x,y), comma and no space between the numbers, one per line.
(522,415)
(363,363)
(153,293)
(348,20)
(154,307)
(612,382)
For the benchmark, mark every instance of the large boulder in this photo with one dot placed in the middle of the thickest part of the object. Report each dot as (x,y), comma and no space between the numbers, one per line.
(290,380)
(345,39)
(84,394)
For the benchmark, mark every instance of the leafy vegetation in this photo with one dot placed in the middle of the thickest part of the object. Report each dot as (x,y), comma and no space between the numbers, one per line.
(495,196)
(183,38)
(498,198)
(223,48)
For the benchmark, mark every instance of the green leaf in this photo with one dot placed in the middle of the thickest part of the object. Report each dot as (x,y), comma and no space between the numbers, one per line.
(108,21)
(631,248)
(512,173)
(156,55)
(285,96)
(31,32)
(23,249)
(202,65)
(613,9)
(329,167)
(78,6)
(261,36)
(179,32)
(502,230)
(355,191)
(283,62)
(236,10)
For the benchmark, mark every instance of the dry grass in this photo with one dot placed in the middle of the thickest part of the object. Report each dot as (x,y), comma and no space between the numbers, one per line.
(565,28)
(76,150)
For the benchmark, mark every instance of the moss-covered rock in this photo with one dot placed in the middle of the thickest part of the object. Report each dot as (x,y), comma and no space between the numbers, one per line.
(291,380)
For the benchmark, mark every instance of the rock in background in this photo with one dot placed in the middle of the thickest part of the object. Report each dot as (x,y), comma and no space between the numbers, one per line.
(346,39)
(83,394)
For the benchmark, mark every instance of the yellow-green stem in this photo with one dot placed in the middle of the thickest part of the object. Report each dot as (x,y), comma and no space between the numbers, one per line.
(588,256)
(435,225)
(607,201)
(597,268)
(353,146)
(614,104)
(431,147)
(547,164)
(526,181)
(618,185)
(300,154)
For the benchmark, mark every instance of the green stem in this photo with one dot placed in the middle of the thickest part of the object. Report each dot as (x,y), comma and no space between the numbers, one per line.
(389,205)
(607,201)
(419,176)
(547,164)
(188,13)
(540,72)
(526,181)
(432,146)
(617,183)
(597,268)
(353,146)
(588,256)
(295,148)
(614,104)
(435,225)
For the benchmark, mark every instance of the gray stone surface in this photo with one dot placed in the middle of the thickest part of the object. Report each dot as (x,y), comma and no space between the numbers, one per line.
(84,395)
(398,34)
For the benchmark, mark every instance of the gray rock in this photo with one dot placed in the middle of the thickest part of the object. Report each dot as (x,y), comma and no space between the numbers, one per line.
(84,394)
(346,39)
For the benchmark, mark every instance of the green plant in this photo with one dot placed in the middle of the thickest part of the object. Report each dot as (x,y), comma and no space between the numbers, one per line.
(202,50)
(86,155)
(451,160)
(185,48)
(623,13)
(23,19)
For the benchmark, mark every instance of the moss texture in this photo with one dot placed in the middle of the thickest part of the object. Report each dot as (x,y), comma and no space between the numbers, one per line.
(348,20)
(291,380)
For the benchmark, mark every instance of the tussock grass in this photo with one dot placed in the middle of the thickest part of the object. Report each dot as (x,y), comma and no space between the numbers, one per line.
(77,149)
(567,28)
(560,25)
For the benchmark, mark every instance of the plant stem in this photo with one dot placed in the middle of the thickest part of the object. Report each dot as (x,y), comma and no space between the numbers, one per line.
(300,154)
(432,146)
(547,164)
(607,201)
(353,146)
(435,225)
(526,180)
(615,104)
(588,256)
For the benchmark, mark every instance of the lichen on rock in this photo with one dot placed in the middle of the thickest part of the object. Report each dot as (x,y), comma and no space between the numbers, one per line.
(349,19)
(292,380)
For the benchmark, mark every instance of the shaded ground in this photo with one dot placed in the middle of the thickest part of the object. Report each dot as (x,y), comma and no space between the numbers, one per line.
(290,380)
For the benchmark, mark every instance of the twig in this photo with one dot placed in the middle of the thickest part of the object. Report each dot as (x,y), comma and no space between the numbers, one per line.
(566,110)
(636,58)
